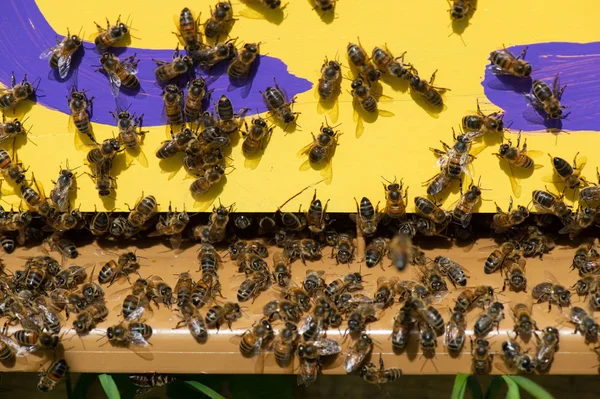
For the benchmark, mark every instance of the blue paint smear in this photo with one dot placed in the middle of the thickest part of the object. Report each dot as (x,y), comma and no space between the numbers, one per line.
(25,34)
(578,65)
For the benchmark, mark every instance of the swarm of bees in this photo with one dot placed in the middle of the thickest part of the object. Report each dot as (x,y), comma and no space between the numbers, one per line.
(297,322)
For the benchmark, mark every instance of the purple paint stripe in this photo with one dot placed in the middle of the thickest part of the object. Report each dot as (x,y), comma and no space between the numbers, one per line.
(25,34)
(578,64)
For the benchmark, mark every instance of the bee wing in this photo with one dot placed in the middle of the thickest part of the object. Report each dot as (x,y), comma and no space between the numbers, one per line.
(328,347)
(48,52)
(384,113)
(532,115)
(360,126)
(138,313)
(131,67)
(138,155)
(252,163)
(251,14)
(305,150)
(549,277)
(64,64)
(514,183)
(534,153)
(327,171)
(115,83)
(305,325)
(556,86)
(581,162)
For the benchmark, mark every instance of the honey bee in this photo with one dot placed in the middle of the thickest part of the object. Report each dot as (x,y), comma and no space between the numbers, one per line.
(207,57)
(229,121)
(66,248)
(215,230)
(524,323)
(194,321)
(460,9)
(454,160)
(282,309)
(431,94)
(253,286)
(547,346)
(166,71)
(146,382)
(285,344)
(7,243)
(253,339)
(173,108)
(183,288)
(515,357)
(172,225)
(482,357)
(11,128)
(299,297)
(479,296)
(10,98)
(111,35)
(309,354)
(519,158)
(239,67)
(188,30)
(358,353)
(430,210)
(196,94)
(427,313)
(548,100)
(496,259)
(228,312)
(489,319)
(455,336)
(402,251)
(570,175)
(314,283)
(552,291)
(367,217)
(59,57)
(455,272)
(590,194)
(360,60)
(143,210)
(387,63)
(367,99)
(325,5)
(478,125)
(219,20)
(52,376)
(503,221)
(427,340)
(384,295)
(375,251)
(126,333)
(395,205)
(316,216)
(305,249)
(315,324)
(505,63)
(536,243)
(103,152)
(278,105)
(321,150)
(547,202)
(373,375)
(584,323)
(256,137)
(343,252)
(463,211)
(349,283)
(12,170)
(112,270)
(94,313)
(403,323)
(282,271)
(329,85)
(515,274)
(205,290)
(206,181)
(585,258)
(178,143)
(360,317)
(64,184)
(120,73)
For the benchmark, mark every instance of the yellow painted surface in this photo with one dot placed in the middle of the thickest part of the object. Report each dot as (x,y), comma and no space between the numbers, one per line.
(396,146)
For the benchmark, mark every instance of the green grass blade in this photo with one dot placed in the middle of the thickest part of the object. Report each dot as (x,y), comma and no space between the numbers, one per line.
(460,386)
(494,388)
(204,389)
(474,387)
(534,389)
(109,386)
(513,388)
